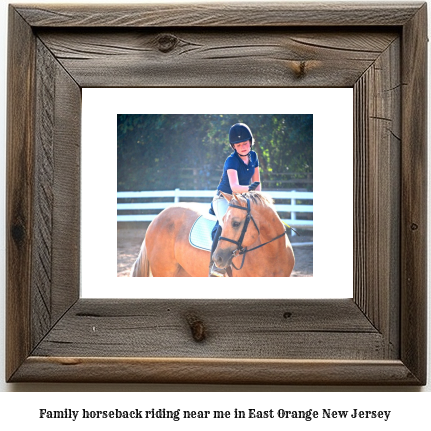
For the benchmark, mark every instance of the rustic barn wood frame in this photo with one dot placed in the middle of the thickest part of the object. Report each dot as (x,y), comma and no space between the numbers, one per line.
(378,337)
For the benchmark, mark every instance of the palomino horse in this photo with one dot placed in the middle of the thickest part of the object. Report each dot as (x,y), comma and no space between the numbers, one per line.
(253,241)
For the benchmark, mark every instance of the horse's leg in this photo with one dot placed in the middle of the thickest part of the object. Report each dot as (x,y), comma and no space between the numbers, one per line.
(161,237)
(182,272)
(168,248)
(194,261)
(161,266)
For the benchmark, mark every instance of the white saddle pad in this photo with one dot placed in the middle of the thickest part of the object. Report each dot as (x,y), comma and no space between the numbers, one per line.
(200,233)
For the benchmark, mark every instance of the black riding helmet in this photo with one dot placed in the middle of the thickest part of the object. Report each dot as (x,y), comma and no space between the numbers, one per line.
(240,132)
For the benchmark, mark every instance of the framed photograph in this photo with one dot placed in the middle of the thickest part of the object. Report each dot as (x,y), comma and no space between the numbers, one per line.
(376,337)
(157,152)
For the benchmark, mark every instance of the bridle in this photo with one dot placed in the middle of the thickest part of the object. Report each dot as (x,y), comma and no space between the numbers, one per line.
(240,249)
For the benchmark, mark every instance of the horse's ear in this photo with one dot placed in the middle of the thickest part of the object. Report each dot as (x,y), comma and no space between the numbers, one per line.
(227,196)
(237,197)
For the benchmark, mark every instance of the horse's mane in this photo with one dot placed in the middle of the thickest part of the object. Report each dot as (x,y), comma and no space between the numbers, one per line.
(258,198)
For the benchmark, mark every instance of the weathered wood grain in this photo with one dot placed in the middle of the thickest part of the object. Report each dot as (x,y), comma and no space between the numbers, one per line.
(377,182)
(216,371)
(66,208)
(220,15)
(268,329)
(210,57)
(44,194)
(57,194)
(378,338)
(20,198)
(414,169)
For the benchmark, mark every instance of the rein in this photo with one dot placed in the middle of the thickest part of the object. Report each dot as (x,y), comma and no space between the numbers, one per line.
(240,249)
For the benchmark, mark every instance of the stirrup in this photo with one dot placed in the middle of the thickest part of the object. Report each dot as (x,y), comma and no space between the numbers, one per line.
(215,271)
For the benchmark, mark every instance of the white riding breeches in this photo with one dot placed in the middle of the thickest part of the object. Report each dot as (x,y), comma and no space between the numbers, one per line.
(220,206)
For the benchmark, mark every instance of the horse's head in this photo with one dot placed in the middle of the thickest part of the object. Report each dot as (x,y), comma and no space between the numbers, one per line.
(240,229)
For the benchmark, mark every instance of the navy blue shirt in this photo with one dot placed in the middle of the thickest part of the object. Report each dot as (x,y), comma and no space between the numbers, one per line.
(245,172)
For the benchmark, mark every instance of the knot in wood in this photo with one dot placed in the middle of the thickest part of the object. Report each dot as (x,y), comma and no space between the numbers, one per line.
(300,69)
(167,42)
(197,328)
(18,233)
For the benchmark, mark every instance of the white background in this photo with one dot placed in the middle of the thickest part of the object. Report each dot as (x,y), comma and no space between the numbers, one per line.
(332,111)
(21,408)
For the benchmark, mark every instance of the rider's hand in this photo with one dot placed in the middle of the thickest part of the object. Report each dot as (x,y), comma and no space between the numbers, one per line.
(253,186)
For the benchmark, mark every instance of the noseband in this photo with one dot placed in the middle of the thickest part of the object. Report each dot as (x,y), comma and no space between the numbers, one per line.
(240,249)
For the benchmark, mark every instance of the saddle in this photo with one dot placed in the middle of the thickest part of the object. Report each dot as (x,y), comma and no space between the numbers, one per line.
(202,232)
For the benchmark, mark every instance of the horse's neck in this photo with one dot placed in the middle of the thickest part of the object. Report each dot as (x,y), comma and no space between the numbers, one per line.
(271,259)
(270,229)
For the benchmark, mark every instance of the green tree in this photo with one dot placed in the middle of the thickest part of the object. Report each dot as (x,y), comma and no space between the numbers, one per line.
(157,152)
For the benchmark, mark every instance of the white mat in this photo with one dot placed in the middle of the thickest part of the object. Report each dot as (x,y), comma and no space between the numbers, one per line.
(200,233)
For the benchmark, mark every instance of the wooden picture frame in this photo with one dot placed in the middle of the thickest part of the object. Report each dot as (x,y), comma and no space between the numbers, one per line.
(378,337)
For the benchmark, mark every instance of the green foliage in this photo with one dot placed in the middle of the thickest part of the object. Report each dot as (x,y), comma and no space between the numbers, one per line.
(161,152)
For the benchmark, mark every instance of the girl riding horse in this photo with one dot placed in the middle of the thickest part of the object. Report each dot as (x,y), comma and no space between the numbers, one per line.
(240,174)
(260,248)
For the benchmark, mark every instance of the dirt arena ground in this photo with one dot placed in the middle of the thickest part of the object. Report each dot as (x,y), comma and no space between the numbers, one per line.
(129,242)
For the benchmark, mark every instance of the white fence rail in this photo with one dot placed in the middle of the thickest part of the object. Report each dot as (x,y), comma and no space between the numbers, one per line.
(178,195)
